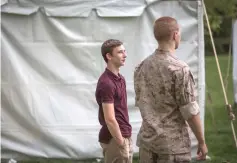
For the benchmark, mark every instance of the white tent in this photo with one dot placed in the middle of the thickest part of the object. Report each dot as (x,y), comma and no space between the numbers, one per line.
(235,59)
(51,62)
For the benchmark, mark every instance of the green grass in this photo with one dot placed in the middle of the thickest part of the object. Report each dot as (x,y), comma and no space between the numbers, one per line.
(218,132)
(218,135)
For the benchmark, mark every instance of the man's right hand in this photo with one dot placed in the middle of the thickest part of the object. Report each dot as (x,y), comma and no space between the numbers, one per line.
(202,151)
(121,142)
(112,124)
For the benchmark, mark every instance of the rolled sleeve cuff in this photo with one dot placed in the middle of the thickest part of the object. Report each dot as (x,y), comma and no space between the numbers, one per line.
(108,101)
(189,110)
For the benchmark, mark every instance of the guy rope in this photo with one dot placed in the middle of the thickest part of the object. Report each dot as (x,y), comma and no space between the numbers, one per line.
(228,106)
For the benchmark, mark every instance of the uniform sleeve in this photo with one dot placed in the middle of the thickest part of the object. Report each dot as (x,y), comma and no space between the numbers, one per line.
(185,93)
(136,87)
(107,92)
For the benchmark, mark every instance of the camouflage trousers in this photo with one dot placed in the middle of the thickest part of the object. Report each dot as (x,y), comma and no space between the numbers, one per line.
(146,156)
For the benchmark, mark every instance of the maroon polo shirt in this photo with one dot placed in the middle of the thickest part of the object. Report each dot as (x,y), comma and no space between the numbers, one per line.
(112,89)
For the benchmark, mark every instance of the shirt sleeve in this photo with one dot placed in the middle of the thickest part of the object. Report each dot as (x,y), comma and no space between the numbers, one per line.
(185,93)
(137,88)
(107,93)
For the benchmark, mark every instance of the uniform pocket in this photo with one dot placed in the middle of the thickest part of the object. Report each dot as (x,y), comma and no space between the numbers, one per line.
(183,158)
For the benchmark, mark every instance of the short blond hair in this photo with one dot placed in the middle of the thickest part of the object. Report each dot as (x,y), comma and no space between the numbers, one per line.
(164,28)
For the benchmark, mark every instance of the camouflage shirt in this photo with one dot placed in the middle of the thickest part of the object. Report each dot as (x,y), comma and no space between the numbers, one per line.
(165,96)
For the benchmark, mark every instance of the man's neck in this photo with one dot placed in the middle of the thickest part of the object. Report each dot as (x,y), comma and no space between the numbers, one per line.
(113,69)
(166,47)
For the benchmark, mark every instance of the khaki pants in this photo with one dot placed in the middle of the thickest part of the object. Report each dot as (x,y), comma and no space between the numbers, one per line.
(113,153)
(146,156)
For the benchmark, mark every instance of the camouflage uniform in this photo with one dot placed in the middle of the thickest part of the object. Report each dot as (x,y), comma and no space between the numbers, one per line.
(164,88)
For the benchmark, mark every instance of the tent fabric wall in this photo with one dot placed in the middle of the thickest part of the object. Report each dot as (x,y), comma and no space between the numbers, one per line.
(235,59)
(51,62)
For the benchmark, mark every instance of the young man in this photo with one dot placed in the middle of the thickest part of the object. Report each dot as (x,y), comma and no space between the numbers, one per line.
(164,88)
(111,96)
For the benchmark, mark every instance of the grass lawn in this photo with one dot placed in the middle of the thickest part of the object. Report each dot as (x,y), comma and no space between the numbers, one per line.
(219,138)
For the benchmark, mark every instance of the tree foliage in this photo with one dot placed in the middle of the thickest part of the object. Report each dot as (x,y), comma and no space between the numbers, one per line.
(220,14)
(219,10)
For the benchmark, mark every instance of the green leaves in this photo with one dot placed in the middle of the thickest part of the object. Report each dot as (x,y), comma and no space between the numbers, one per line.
(220,14)
(218,10)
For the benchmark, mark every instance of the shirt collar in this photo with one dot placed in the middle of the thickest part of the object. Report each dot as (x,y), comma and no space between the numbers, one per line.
(111,74)
(167,53)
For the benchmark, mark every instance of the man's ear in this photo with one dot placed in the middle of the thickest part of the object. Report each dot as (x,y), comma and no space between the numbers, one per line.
(108,56)
(175,35)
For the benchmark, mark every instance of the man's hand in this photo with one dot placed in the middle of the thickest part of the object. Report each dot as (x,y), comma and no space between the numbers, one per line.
(202,151)
(195,124)
(112,124)
(120,142)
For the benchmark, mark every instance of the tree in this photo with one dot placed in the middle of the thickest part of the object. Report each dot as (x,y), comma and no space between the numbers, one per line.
(218,10)
(220,14)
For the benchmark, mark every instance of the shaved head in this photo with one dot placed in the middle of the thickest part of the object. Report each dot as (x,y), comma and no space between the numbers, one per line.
(164,28)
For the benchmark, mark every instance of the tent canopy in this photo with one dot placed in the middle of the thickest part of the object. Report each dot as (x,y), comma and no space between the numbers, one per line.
(83,8)
(51,62)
